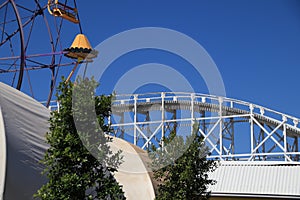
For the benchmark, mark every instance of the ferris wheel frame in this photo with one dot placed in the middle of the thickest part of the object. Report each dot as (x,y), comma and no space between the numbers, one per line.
(18,63)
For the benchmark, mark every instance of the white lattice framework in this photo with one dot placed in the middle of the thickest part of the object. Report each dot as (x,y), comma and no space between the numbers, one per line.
(232,129)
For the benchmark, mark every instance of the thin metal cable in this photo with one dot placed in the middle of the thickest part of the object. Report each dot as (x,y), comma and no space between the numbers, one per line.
(78,17)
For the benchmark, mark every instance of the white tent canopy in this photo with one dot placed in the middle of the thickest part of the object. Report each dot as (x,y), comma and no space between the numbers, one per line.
(23,125)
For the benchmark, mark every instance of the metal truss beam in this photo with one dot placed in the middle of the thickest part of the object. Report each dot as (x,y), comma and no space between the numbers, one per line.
(232,129)
(223,123)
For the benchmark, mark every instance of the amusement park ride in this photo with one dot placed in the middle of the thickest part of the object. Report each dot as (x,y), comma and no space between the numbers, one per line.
(22,22)
(58,9)
(233,129)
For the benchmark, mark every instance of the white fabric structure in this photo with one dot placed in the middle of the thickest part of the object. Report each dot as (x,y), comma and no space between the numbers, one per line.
(23,125)
(133,173)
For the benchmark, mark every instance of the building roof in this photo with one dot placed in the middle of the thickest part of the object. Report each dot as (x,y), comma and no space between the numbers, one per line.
(256,179)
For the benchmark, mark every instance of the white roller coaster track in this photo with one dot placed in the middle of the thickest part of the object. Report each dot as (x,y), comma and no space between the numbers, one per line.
(233,129)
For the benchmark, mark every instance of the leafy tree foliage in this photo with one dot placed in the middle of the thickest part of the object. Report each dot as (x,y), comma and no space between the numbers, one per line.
(184,172)
(78,158)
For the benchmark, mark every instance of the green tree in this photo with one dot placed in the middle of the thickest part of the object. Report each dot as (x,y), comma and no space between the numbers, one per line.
(184,168)
(79,163)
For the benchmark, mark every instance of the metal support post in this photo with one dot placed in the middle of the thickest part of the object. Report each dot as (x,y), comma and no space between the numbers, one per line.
(162,118)
(192,112)
(135,120)
(251,128)
(221,126)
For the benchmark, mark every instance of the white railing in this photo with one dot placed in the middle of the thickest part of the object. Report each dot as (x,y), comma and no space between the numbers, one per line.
(205,98)
(284,132)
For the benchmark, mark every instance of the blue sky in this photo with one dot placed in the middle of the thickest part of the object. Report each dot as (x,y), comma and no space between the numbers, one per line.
(254,43)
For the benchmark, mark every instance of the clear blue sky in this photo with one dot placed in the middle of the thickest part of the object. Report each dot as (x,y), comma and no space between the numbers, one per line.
(254,43)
